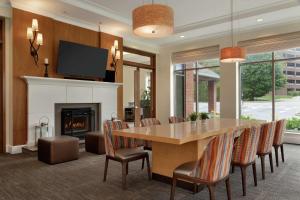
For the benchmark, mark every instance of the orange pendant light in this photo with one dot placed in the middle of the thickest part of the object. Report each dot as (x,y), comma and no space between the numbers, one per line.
(153,20)
(234,53)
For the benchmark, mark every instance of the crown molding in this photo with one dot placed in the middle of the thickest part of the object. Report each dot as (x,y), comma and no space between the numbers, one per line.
(238,15)
(98,9)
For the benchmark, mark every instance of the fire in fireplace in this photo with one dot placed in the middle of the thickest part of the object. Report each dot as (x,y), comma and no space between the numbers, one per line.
(77,121)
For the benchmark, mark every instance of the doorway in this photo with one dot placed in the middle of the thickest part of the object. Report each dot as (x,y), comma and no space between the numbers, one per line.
(138,85)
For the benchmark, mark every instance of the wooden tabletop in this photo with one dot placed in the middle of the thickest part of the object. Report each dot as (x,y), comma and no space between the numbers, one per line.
(185,132)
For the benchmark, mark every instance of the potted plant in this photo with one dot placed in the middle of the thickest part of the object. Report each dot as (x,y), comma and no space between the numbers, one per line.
(146,103)
(193,116)
(203,115)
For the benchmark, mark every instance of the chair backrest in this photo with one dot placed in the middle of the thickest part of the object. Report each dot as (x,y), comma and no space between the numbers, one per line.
(245,147)
(113,143)
(267,132)
(149,122)
(173,120)
(215,162)
(279,131)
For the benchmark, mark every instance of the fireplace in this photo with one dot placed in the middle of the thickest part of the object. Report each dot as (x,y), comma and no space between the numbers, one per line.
(77,121)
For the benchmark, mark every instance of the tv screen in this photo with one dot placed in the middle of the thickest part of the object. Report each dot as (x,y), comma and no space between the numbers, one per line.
(81,61)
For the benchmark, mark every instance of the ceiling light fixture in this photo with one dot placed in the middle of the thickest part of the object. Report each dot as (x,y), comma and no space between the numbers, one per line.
(260,20)
(153,20)
(182,36)
(234,53)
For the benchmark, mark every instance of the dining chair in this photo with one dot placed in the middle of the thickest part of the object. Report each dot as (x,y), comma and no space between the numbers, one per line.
(278,139)
(265,143)
(244,152)
(122,149)
(173,120)
(149,122)
(211,168)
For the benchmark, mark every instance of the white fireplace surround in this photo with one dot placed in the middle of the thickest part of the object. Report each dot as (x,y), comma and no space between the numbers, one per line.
(44,93)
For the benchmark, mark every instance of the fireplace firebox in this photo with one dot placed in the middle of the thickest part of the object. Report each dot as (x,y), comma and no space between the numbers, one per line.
(77,121)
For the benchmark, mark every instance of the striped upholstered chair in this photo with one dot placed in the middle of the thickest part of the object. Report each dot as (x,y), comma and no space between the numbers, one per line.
(279,132)
(244,153)
(121,149)
(267,132)
(213,166)
(149,122)
(173,120)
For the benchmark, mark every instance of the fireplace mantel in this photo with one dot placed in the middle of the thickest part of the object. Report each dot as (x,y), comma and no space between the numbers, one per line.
(44,93)
(35,80)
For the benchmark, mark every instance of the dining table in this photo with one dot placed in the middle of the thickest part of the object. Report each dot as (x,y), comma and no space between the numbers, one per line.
(177,143)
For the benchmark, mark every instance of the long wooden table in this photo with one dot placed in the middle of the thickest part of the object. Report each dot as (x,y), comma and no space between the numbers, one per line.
(174,144)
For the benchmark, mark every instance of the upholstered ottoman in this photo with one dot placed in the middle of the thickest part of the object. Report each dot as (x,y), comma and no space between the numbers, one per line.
(59,149)
(94,143)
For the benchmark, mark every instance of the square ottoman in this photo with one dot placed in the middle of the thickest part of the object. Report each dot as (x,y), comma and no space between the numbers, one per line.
(94,143)
(59,149)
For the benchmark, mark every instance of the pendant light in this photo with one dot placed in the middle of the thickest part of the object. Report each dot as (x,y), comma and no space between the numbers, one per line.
(234,53)
(153,20)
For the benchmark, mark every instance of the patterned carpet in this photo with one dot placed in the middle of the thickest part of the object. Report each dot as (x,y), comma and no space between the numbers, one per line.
(23,177)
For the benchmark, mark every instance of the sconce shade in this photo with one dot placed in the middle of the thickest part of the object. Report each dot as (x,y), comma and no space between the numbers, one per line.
(233,54)
(116,44)
(29,33)
(35,25)
(118,55)
(39,39)
(153,20)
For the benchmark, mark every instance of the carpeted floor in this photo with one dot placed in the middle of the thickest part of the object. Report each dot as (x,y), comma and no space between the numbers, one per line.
(23,177)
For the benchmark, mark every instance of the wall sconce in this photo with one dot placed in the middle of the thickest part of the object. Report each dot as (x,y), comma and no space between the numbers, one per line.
(116,54)
(34,37)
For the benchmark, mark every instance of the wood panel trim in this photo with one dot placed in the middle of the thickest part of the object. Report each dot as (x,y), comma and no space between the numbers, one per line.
(137,51)
(138,65)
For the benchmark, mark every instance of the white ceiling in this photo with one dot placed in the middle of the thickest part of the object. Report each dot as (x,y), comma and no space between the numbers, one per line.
(193,18)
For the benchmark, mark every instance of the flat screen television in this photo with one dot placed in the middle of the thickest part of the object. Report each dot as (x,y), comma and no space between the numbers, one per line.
(77,60)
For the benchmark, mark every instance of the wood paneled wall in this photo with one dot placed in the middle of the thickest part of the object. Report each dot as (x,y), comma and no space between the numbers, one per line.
(23,63)
(2,122)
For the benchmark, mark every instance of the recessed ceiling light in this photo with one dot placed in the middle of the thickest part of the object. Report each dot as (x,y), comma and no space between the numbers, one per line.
(182,36)
(260,20)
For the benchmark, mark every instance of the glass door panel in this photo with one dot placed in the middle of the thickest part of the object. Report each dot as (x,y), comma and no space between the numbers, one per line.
(256,90)
(287,95)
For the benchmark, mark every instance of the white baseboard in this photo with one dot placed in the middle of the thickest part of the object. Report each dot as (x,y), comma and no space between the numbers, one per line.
(291,138)
(14,149)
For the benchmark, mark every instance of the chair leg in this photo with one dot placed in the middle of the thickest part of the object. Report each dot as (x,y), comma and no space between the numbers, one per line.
(143,163)
(127,169)
(243,170)
(271,162)
(276,155)
(105,169)
(232,168)
(211,189)
(148,167)
(254,173)
(262,158)
(124,164)
(173,188)
(228,189)
(282,153)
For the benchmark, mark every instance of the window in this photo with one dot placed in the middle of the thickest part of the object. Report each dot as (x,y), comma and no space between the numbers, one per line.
(257,102)
(290,73)
(197,87)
